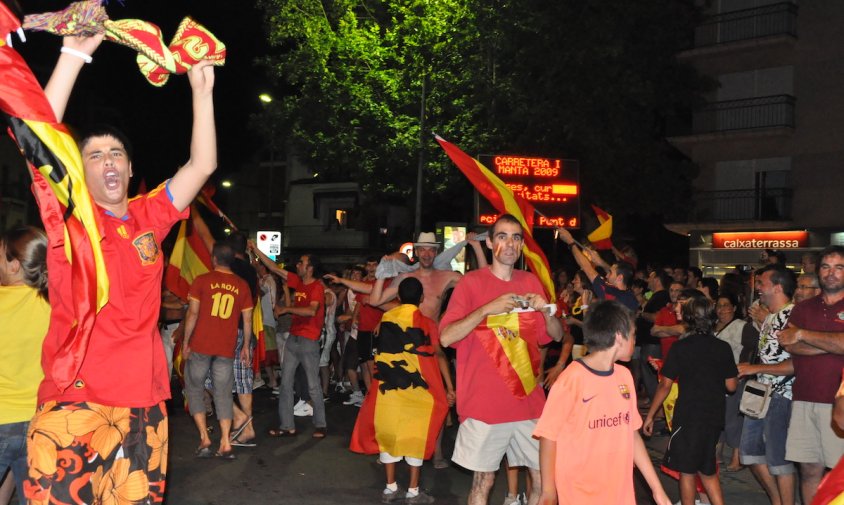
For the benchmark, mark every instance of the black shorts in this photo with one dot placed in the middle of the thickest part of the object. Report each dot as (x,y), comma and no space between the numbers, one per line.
(350,354)
(692,449)
(366,346)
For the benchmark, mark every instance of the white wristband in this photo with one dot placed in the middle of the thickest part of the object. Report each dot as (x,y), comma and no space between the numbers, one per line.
(79,54)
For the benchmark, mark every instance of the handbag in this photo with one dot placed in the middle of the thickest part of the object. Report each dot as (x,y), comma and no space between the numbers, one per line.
(755,398)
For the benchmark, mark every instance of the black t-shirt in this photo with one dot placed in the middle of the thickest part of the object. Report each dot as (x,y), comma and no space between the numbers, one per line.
(700,364)
(643,327)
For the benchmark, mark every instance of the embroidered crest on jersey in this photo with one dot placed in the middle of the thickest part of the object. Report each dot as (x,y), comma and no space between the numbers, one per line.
(147,248)
(622,388)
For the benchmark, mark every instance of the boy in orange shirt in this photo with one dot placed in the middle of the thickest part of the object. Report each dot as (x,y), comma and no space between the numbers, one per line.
(591,413)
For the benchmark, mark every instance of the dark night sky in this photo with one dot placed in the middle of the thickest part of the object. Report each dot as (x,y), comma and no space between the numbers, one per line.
(157,120)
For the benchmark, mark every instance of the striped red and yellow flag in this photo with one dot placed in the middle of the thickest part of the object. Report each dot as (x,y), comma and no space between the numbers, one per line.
(601,237)
(499,195)
(65,206)
(191,256)
(405,406)
(515,360)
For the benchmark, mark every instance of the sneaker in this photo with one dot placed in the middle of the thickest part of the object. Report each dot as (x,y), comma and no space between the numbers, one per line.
(513,499)
(304,411)
(356,398)
(422,497)
(391,496)
(258,383)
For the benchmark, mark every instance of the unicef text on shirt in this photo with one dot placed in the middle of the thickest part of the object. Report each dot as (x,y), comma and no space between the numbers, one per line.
(609,422)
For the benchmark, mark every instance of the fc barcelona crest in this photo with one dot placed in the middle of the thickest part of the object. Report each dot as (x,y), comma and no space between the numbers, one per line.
(625,392)
(147,248)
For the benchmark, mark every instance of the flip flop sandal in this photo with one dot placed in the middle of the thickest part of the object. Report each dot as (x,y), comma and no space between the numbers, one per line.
(319,433)
(204,453)
(236,433)
(281,433)
(237,443)
(229,455)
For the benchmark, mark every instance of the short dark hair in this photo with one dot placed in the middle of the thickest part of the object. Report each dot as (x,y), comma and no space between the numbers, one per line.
(779,255)
(603,321)
(640,283)
(624,269)
(734,301)
(696,271)
(237,241)
(506,218)
(829,251)
(315,264)
(781,276)
(372,259)
(223,253)
(105,130)
(359,269)
(712,284)
(410,291)
(665,280)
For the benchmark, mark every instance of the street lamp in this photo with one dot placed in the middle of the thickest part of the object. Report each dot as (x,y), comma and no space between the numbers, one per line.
(226,184)
(265,97)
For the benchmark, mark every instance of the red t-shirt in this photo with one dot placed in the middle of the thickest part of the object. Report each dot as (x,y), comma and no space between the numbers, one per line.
(222,297)
(307,326)
(817,377)
(481,392)
(666,317)
(368,316)
(124,363)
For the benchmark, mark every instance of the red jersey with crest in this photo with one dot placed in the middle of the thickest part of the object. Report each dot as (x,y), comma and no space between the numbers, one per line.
(307,326)
(124,363)
(222,297)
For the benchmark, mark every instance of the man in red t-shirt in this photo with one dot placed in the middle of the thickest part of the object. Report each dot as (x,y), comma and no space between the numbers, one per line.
(302,346)
(666,325)
(498,399)
(120,371)
(217,301)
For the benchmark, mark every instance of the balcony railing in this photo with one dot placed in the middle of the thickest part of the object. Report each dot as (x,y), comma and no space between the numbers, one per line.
(746,114)
(772,204)
(746,24)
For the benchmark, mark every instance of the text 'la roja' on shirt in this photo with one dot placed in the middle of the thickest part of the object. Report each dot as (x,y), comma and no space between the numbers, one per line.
(592,416)
(482,394)
(307,326)
(222,297)
(124,364)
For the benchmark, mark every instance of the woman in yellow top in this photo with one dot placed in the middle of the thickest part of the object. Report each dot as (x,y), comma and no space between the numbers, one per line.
(24,317)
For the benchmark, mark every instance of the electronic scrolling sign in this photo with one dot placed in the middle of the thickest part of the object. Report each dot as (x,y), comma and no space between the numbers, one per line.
(551,185)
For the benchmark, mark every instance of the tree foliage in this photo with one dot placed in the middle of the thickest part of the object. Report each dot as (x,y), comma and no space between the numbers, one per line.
(594,81)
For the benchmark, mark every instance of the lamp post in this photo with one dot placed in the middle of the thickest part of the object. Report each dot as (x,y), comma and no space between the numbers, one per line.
(267,99)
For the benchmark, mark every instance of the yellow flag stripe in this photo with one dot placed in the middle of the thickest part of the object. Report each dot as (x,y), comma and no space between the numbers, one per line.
(515,348)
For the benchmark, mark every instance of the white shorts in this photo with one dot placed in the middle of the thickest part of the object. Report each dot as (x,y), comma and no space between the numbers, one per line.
(386,458)
(480,447)
(811,437)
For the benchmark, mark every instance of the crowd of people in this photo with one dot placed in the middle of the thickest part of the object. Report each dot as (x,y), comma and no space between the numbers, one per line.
(552,386)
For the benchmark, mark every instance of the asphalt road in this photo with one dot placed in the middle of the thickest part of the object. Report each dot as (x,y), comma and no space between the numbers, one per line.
(303,470)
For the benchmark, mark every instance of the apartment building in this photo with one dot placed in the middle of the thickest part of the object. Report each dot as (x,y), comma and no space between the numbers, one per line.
(769,141)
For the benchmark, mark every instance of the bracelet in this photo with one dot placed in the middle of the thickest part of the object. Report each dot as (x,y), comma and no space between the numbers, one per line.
(79,54)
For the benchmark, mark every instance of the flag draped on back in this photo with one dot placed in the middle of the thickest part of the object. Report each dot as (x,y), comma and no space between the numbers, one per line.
(405,406)
(499,195)
(65,206)
(601,237)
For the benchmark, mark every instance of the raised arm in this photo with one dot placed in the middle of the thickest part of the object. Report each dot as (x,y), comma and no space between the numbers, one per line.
(270,264)
(356,286)
(480,256)
(581,259)
(203,146)
(67,70)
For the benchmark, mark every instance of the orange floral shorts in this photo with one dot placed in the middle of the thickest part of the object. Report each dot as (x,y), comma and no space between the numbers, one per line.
(84,452)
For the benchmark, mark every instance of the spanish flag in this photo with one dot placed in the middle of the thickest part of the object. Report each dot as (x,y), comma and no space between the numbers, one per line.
(66,208)
(405,406)
(191,255)
(601,238)
(516,362)
(499,195)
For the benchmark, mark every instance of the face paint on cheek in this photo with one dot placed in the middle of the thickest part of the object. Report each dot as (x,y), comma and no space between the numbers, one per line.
(498,247)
